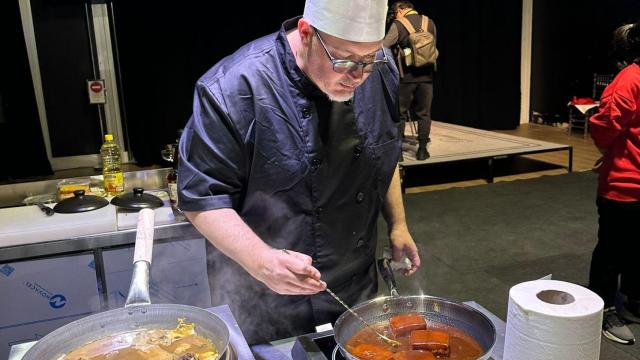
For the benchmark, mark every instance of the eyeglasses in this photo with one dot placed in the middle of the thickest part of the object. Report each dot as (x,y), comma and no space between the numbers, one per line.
(349,66)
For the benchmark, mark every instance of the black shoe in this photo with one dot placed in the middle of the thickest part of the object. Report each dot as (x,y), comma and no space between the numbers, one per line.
(422,153)
(614,329)
(630,311)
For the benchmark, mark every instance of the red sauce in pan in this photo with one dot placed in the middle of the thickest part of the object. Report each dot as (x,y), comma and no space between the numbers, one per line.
(461,345)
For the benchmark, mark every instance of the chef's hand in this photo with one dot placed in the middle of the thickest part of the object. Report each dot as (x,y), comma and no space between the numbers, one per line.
(402,244)
(287,272)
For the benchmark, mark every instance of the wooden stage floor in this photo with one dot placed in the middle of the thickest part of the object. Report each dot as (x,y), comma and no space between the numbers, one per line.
(455,143)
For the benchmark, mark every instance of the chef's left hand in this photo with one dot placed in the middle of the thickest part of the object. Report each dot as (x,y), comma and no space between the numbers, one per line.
(402,244)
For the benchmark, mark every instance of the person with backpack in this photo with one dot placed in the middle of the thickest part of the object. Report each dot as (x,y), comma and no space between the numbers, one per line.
(412,37)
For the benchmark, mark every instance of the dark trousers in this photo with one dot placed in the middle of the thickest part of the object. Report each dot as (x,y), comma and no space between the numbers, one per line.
(617,254)
(416,98)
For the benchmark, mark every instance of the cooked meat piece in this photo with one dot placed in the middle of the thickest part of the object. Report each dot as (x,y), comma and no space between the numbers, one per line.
(435,341)
(188,356)
(413,355)
(371,352)
(403,325)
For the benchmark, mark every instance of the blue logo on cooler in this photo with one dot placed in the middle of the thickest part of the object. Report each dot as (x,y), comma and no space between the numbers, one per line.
(57,301)
(7,269)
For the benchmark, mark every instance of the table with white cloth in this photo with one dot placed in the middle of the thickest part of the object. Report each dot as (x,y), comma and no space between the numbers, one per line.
(579,116)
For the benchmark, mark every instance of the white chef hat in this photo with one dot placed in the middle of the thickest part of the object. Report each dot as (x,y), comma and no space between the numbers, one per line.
(353,20)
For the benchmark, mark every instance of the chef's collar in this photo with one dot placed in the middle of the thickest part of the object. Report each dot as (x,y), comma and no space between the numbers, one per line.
(288,60)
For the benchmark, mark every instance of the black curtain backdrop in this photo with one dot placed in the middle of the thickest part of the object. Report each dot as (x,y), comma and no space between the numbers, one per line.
(64,54)
(165,49)
(571,41)
(478,78)
(21,143)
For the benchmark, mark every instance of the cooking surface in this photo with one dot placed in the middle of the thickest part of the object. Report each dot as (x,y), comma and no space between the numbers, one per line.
(282,349)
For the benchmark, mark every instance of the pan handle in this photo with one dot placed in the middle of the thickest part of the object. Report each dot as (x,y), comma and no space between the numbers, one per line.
(384,267)
(139,289)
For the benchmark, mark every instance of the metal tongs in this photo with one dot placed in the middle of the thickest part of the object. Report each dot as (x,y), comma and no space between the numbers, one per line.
(389,341)
(386,267)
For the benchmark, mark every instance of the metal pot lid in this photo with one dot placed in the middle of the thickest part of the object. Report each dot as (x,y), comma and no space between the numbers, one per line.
(137,200)
(80,203)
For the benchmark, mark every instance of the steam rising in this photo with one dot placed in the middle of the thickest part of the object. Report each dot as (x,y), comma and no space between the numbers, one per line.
(257,309)
(262,314)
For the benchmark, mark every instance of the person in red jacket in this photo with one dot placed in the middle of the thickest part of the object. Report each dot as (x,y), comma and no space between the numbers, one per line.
(615,130)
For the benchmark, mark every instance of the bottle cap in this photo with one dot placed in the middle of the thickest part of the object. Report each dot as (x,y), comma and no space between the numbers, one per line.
(108,137)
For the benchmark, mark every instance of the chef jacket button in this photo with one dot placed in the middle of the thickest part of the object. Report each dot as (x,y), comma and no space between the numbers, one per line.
(306,113)
(359,197)
(357,151)
(315,163)
(317,211)
(360,243)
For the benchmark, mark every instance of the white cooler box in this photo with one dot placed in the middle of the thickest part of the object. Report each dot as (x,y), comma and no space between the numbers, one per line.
(38,296)
(178,273)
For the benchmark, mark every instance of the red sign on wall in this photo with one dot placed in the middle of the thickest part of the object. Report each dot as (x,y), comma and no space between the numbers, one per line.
(96,91)
(96,86)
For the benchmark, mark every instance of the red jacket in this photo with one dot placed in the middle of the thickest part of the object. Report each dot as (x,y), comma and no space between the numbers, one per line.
(616,129)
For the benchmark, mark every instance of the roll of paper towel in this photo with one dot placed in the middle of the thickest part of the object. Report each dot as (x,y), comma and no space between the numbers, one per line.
(553,320)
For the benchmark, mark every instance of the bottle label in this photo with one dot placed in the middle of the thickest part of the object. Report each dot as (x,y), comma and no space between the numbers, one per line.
(173,193)
(114,183)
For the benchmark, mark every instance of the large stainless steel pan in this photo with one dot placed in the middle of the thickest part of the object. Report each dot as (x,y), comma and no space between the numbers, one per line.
(137,314)
(459,316)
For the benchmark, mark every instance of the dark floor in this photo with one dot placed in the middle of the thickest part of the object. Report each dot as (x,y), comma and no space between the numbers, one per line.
(477,242)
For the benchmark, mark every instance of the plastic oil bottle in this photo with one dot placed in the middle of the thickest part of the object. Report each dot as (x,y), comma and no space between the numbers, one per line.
(111,167)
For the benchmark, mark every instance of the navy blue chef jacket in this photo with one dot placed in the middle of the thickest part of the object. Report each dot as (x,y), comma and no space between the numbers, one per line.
(305,173)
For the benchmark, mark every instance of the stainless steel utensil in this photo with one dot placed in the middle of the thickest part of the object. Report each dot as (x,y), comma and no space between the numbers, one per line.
(389,341)
(337,298)
(45,209)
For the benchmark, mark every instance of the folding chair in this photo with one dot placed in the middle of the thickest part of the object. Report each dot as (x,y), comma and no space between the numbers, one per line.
(413,127)
(600,82)
(579,117)
(579,114)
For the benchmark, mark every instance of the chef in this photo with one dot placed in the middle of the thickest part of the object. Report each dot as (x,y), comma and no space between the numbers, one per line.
(286,163)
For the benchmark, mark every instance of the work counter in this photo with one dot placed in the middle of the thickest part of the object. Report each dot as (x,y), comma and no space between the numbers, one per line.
(56,269)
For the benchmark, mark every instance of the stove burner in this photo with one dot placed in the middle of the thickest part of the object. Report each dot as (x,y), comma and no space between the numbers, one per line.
(316,346)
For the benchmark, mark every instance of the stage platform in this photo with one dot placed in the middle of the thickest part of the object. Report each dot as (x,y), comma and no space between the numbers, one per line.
(451,143)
